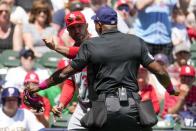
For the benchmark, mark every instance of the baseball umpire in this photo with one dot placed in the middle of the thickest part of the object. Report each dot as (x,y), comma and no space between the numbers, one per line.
(113,60)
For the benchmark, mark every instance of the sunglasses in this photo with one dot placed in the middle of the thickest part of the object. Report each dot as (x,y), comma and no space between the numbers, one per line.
(123,7)
(74,18)
(45,11)
(6,11)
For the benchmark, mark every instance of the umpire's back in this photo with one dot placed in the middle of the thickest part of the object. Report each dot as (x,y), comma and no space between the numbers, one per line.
(116,58)
(113,60)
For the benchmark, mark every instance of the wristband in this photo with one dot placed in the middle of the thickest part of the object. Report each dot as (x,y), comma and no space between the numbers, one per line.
(43,85)
(73,51)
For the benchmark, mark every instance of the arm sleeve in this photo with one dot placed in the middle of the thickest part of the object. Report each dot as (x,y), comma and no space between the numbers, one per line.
(47,107)
(146,57)
(82,57)
(73,51)
(68,90)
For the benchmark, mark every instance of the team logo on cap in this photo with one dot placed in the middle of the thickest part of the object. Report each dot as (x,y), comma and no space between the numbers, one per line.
(72,16)
(11,91)
(32,77)
(187,70)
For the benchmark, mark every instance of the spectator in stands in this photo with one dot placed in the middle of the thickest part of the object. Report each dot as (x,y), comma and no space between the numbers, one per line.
(15,76)
(174,104)
(179,31)
(33,79)
(27,4)
(191,26)
(123,9)
(147,91)
(182,56)
(10,34)
(153,25)
(39,27)
(58,16)
(14,118)
(18,14)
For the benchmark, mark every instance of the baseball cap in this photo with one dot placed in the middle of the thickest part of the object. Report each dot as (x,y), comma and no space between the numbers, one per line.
(10,92)
(26,53)
(31,77)
(121,2)
(187,71)
(162,57)
(75,17)
(181,48)
(106,15)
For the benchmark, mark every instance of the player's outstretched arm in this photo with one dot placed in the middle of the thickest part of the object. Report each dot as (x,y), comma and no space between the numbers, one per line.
(57,77)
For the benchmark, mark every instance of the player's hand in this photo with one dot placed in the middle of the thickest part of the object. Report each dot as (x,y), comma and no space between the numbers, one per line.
(51,42)
(57,110)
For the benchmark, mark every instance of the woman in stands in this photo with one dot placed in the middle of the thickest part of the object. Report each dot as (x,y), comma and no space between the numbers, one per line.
(38,27)
(10,34)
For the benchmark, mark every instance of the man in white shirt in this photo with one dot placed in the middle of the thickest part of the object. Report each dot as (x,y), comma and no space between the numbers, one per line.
(15,76)
(14,118)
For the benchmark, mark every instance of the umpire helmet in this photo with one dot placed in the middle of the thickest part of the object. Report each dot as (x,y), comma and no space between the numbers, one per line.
(10,92)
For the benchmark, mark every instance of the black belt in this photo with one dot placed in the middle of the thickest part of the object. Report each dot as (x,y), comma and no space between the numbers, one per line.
(133,95)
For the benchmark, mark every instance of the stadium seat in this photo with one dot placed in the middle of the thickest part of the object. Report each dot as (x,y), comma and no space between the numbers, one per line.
(50,59)
(9,58)
(193,55)
(193,47)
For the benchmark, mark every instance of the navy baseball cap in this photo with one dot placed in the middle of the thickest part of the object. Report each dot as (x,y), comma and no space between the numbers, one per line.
(106,15)
(26,53)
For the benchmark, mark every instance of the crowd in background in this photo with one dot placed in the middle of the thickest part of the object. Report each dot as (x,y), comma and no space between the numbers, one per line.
(168,27)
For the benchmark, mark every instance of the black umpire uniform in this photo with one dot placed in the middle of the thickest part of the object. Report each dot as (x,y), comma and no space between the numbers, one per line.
(113,60)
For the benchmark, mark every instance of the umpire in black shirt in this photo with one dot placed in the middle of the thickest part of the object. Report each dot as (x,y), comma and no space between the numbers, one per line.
(112,61)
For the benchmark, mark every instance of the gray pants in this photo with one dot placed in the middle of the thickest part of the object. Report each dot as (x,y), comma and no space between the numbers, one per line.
(74,122)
